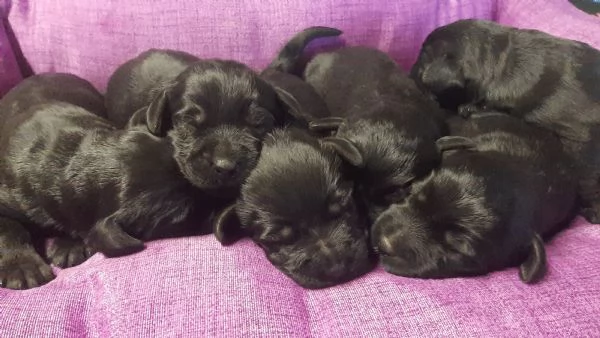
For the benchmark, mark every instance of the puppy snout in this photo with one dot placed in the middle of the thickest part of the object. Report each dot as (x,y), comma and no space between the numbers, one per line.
(224,165)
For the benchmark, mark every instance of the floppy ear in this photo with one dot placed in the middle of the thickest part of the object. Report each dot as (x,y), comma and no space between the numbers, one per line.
(534,267)
(227,227)
(454,143)
(157,116)
(326,124)
(292,104)
(139,117)
(346,149)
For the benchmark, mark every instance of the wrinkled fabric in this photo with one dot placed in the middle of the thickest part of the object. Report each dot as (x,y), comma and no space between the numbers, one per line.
(193,287)
(10,73)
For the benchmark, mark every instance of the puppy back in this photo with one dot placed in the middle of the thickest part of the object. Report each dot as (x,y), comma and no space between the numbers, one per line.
(135,83)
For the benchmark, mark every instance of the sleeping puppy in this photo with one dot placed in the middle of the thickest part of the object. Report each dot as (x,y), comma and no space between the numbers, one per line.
(389,127)
(215,111)
(298,205)
(67,171)
(545,80)
(62,87)
(501,186)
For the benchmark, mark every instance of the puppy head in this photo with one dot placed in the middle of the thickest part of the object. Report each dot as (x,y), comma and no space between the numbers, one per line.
(438,231)
(447,227)
(301,210)
(387,159)
(456,55)
(216,114)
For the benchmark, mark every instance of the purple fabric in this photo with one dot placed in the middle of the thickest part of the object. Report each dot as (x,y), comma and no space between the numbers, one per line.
(10,74)
(194,287)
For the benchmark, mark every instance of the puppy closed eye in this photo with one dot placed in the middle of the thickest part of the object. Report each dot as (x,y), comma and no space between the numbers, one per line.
(277,235)
(191,115)
(259,119)
(340,200)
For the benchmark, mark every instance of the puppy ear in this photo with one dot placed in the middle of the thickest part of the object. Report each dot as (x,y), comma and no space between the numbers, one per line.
(157,116)
(454,143)
(326,124)
(139,117)
(534,267)
(227,227)
(289,101)
(346,149)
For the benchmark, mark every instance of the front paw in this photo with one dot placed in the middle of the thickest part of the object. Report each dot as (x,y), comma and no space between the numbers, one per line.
(67,252)
(24,270)
(110,239)
(466,110)
(590,214)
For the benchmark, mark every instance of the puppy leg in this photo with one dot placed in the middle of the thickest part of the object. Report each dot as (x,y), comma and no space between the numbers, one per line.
(109,238)
(66,252)
(534,267)
(589,194)
(20,265)
(468,109)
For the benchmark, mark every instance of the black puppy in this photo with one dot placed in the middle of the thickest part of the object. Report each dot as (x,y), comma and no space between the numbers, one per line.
(501,185)
(545,80)
(389,126)
(67,171)
(298,205)
(61,87)
(215,111)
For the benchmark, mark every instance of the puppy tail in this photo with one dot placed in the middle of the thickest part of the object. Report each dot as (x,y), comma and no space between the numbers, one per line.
(534,267)
(288,56)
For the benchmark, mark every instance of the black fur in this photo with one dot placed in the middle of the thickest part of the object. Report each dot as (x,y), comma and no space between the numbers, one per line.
(388,126)
(61,87)
(302,103)
(506,183)
(298,205)
(215,111)
(69,172)
(545,80)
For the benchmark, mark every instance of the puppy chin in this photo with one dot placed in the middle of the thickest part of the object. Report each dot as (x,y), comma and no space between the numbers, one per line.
(349,265)
(313,282)
(400,267)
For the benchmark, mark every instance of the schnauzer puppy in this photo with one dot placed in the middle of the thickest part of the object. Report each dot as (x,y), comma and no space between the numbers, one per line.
(545,80)
(69,172)
(298,205)
(215,111)
(389,126)
(501,186)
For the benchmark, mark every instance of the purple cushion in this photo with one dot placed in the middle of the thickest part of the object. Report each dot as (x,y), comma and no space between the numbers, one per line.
(92,37)
(193,286)
(10,74)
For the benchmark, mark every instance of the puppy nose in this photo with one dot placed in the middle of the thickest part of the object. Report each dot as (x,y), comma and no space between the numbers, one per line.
(223,165)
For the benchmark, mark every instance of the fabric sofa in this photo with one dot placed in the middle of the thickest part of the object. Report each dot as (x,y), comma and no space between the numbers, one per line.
(193,287)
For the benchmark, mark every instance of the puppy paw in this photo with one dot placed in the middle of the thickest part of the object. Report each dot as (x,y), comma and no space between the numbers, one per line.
(591,215)
(68,252)
(466,110)
(24,271)
(110,239)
